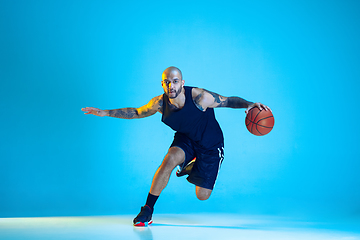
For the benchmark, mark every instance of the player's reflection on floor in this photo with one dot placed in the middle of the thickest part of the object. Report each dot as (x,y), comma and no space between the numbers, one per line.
(144,233)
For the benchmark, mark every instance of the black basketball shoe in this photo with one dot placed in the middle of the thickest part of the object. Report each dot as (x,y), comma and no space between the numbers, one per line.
(144,217)
(185,170)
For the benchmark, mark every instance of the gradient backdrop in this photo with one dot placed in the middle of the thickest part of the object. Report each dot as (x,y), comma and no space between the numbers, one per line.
(299,58)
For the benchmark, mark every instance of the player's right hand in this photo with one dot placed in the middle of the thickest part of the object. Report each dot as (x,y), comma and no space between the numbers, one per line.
(258,105)
(94,111)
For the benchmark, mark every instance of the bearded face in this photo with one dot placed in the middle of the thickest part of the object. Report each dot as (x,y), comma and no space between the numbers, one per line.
(172,83)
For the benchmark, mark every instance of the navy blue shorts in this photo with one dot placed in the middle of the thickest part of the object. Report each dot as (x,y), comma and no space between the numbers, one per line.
(207,164)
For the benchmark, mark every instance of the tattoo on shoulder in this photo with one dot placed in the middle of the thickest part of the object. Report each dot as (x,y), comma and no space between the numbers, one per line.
(197,101)
(161,103)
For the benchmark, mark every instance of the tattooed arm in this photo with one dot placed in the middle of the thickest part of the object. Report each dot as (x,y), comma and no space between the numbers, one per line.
(204,99)
(155,105)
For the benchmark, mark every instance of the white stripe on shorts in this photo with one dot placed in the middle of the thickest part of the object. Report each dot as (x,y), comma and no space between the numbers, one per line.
(221,156)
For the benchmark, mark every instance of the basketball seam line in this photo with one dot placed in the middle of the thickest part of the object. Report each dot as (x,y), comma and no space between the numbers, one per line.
(252,125)
(260,132)
(257,115)
(264,118)
(256,123)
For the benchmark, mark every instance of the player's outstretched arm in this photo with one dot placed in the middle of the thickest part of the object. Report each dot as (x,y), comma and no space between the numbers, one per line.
(206,99)
(153,106)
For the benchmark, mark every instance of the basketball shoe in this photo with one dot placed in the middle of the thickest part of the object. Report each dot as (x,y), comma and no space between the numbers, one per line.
(143,219)
(185,170)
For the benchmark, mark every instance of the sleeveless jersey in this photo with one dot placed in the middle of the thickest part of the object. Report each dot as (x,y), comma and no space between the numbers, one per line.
(199,126)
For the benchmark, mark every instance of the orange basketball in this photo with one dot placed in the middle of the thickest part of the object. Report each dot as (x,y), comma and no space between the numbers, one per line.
(259,122)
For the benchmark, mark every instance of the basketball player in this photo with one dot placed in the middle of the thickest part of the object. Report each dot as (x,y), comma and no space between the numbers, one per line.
(198,146)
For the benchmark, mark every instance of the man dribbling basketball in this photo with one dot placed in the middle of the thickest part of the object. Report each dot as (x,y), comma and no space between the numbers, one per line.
(198,146)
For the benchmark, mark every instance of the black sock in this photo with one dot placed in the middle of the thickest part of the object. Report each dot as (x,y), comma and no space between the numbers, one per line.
(151,200)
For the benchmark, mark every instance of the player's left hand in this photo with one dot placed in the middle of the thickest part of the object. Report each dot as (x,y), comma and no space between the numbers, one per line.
(258,105)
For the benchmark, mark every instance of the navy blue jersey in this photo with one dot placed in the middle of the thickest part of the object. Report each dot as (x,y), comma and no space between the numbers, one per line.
(199,126)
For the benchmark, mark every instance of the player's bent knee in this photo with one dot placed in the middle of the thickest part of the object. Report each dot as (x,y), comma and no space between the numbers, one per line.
(174,157)
(170,162)
(203,193)
(203,198)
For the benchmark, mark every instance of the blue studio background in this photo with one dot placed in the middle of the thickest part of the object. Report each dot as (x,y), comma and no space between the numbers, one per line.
(300,58)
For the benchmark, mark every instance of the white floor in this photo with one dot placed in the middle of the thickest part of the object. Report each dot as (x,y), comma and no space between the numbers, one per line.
(175,226)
